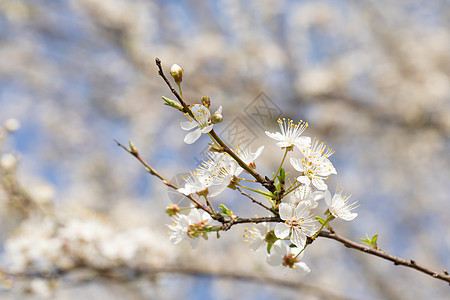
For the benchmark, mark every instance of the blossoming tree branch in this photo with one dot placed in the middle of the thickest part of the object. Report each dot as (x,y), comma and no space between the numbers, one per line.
(293,220)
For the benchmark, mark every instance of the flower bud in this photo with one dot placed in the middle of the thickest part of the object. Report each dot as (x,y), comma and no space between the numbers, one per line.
(177,73)
(216,118)
(172,210)
(206,101)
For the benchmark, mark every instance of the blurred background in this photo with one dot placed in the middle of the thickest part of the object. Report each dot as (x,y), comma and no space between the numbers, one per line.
(81,218)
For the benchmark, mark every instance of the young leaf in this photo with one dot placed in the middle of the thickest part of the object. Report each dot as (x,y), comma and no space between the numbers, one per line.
(282,176)
(372,242)
(225,211)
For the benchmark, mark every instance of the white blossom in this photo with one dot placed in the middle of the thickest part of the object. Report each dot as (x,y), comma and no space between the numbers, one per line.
(299,223)
(196,182)
(244,152)
(201,121)
(282,254)
(305,194)
(314,165)
(339,206)
(223,168)
(290,134)
(257,235)
(189,227)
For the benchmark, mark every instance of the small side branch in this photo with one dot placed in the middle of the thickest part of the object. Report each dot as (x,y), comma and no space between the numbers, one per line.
(254,200)
(133,151)
(396,260)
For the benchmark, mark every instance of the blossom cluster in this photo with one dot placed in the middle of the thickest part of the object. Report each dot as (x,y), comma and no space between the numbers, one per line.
(291,203)
(63,243)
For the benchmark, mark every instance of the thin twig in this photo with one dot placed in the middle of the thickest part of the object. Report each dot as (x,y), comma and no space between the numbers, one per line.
(396,260)
(253,199)
(152,171)
(161,73)
(267,183)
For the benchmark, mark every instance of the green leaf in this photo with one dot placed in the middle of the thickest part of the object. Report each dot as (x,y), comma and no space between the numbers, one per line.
(374,239)
(366,242)
(372,242)
(225,211)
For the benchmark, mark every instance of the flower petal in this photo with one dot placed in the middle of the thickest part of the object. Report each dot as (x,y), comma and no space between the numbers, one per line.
(281,230)
(223,186)
(274,260)
(296,163)
(298,238)
(201,112)
(348,216)
(277,253)
(258,152)
(191,137)
(301,268)
(256,244)
(286,211)
(319,183)
(219,110)
(328,199)
(304,179)
(188,125)
(302,142)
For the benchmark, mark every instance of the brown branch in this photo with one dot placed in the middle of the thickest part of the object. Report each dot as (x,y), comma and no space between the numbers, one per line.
(396,260)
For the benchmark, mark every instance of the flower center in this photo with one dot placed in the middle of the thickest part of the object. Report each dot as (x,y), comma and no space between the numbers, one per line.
(293,222)
(289,260)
